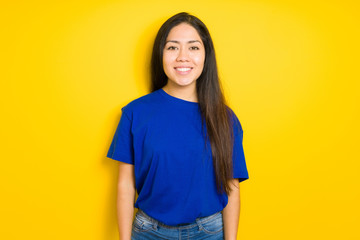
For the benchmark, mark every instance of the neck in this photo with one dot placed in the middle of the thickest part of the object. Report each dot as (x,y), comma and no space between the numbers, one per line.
(187,93)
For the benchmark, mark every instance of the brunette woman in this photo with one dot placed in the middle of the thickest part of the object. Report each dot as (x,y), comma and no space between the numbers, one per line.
(180,146)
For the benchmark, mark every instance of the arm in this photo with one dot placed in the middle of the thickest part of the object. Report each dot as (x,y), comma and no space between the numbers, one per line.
(125,199)
(231,212)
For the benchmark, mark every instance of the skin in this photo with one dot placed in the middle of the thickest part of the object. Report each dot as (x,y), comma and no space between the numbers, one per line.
(184,48)
(231,212)
(125,199)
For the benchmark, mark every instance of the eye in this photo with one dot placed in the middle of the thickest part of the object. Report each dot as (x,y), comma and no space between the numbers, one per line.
(194,48)
(171,48)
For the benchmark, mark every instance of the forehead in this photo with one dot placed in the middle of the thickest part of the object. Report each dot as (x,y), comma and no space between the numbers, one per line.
(183,32)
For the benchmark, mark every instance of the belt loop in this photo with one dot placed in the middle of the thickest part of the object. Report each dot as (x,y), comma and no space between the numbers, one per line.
(199,224)
(155,225)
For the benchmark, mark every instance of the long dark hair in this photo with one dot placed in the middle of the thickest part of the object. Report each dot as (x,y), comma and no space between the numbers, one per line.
(213,108)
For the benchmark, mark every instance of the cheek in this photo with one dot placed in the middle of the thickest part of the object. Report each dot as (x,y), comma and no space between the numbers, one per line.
(199,59)
(165,63)
(168,59)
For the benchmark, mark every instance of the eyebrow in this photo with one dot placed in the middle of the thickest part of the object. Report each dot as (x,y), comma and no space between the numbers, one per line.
(191,41)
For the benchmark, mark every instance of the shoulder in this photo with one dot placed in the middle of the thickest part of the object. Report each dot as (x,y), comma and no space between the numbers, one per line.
(235,121)
(142,104)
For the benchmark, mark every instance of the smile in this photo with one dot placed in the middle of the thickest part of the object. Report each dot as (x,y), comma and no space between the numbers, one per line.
(183,70)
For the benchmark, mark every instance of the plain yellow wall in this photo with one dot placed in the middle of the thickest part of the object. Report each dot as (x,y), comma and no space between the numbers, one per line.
(290,71)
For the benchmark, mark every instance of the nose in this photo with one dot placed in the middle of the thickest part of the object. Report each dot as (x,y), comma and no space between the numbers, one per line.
(183,55)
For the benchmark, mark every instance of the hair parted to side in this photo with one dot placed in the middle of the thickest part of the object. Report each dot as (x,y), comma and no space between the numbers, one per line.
(213,108)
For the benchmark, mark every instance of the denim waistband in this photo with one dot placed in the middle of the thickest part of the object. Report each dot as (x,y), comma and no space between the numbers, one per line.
(197,222)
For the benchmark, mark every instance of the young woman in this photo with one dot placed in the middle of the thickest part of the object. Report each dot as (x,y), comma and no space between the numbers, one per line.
(180,146)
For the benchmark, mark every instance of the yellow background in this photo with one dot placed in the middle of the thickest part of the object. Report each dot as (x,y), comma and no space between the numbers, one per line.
(290,70)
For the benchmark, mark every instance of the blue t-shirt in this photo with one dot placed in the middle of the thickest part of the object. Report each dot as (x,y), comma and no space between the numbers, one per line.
(175,180)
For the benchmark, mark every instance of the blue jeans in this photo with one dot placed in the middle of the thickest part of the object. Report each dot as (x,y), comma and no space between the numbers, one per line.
(146,227)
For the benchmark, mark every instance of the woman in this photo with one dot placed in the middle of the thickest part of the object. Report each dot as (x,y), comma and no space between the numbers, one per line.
(180,146)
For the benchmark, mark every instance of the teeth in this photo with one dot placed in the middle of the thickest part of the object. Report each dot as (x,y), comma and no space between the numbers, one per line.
(183,69)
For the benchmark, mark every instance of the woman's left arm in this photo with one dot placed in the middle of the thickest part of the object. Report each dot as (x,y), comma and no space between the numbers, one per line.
(231,212)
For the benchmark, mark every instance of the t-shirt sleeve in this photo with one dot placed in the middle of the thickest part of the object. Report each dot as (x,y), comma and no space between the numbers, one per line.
(239,164)
(121,148)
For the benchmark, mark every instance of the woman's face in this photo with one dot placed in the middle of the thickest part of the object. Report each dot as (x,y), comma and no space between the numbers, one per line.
(183,56)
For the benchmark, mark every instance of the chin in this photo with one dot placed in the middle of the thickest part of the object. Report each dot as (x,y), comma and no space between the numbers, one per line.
(184,84)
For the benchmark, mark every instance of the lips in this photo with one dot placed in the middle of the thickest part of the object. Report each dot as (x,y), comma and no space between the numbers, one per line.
(183,70)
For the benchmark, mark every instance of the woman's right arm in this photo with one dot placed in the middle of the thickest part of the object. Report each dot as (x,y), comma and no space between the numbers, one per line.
(125,199)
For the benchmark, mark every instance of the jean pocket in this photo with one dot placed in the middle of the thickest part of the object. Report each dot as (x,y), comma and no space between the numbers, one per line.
(214,225)
(142,224)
